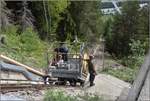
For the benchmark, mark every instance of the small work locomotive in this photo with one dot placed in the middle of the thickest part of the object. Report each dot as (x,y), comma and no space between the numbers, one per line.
(69,65)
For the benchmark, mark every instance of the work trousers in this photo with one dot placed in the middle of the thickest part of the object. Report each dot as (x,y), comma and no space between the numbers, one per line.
(92,77)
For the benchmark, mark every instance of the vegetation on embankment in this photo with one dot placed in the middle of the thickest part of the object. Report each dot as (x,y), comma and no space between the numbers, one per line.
(27,47)
(127,39)
(54,95)
(130,65)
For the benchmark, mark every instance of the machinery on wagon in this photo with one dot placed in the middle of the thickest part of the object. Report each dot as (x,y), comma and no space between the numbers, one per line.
(69,64)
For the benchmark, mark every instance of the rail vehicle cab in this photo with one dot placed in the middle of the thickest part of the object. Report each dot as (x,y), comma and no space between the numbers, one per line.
(69,66)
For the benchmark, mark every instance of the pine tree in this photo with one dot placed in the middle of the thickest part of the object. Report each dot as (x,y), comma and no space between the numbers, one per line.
(25,17)
(89,20)
(83,19)
(52,10)
(5,15)
(125,27)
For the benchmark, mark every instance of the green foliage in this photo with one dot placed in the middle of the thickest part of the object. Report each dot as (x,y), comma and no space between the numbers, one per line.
(126,36)
(107,24)
(54,95)
(11,46)
(126,74)
(66,28)
(106,32)
(90,97)
(28,44)
(89,20)
(138,52)
(26,47)
(33,50)
(132,62)
(126,27)
(12,38)
(53,10)
(138,47)
(57,96)
(81,19)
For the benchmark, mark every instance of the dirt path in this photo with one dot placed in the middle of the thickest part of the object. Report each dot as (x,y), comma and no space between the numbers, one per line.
(106,86)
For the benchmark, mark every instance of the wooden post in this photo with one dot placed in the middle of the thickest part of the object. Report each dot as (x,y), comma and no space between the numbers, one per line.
(103,54)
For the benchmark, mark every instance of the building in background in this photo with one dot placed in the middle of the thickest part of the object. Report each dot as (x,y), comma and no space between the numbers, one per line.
(113,6)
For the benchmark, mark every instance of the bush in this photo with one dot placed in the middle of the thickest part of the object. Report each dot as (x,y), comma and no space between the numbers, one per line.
(132,62)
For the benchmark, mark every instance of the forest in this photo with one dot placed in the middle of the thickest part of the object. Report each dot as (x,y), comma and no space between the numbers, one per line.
(28,29)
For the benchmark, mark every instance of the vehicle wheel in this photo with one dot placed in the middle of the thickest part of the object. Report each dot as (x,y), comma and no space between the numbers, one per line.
(73,82)
(61,81)
(82,83)
(50,81)
(46,79)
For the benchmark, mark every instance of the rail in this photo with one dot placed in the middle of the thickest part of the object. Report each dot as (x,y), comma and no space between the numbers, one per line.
(29,85)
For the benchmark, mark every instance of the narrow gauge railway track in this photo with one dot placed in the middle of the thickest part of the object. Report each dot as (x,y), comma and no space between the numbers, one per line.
(27,85)
(18,87)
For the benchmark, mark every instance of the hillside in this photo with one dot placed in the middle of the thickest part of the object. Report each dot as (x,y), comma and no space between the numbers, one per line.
(27,48)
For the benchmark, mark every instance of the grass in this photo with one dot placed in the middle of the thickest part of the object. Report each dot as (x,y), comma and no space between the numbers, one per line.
(53,95)
(26,47)
(57,96)
(126,73)
(89,97)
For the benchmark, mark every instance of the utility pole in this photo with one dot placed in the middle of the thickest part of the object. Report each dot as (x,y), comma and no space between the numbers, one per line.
(103,41)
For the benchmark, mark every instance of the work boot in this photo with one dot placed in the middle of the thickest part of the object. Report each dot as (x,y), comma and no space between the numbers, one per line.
(92,84)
